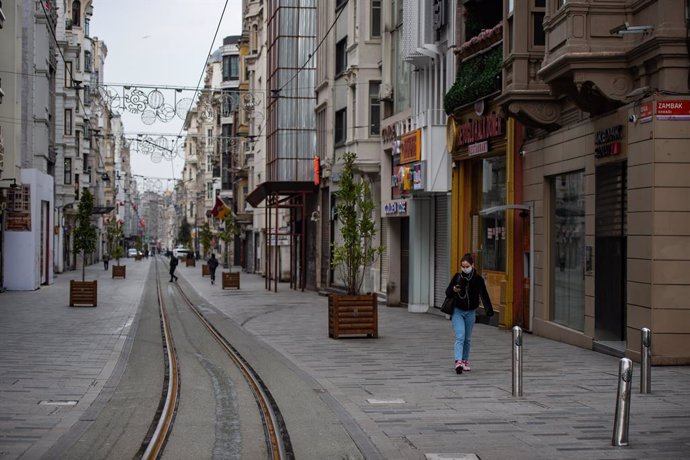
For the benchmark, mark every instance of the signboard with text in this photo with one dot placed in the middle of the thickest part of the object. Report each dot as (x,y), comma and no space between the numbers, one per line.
(410,147)
(673,110)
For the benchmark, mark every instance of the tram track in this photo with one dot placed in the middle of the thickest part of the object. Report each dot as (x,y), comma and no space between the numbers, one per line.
(277,438)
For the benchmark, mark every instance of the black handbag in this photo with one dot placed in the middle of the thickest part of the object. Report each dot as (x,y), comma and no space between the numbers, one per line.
(447,307)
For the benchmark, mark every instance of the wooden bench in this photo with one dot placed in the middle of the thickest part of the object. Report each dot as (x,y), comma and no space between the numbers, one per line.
(119,271)
(231,280)
(83,293)
(205,270)
(353,315)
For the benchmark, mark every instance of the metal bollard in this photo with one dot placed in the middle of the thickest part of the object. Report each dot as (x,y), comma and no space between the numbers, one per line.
(645,361)
(621,422)
(517,361)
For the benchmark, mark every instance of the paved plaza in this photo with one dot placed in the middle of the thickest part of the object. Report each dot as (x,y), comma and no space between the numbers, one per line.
(397,395)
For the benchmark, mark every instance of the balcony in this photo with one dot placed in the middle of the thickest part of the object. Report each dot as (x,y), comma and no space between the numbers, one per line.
(584,60)
(478,77)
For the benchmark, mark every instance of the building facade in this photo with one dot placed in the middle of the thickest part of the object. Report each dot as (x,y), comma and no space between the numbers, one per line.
(578,168)
(27,110)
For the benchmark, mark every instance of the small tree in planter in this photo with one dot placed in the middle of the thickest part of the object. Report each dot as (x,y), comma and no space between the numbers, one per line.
(354,255)
(228,233)
(85,233)
(116,251)
(205,237)
(85,237)
(115,235)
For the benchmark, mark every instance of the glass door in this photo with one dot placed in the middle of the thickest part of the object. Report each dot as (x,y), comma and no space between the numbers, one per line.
(568,246)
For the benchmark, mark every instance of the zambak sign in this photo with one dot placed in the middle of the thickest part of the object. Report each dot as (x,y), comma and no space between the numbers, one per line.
(673,110)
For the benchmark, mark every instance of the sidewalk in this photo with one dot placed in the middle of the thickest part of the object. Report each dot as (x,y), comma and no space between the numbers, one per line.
(55,360)
(58,363)
(401,389)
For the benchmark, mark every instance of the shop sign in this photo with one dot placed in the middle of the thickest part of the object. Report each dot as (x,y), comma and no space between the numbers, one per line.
(673,110)
(608,141)
(418,176)
(646,112)
(478,148)
(402,179)
(407,178)
(19,209)
(474,130)
(410,147)
(395,208)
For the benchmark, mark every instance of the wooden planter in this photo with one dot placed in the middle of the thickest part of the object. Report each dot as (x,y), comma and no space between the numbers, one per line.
(231,280)
(205,271)
(83,293)
(119,271)
(137,258)
(189,262)
(353,315)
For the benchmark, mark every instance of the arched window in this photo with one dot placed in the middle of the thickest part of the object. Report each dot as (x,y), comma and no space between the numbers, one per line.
(76,13)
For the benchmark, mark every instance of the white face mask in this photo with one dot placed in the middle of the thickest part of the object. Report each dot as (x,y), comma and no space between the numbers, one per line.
(467,270)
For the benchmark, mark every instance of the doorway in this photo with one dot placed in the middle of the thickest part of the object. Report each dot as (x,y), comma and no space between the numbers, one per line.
(611,248)
(404,260)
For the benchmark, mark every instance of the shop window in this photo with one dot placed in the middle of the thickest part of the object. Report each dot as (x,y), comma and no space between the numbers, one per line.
(492,233)
(568,249)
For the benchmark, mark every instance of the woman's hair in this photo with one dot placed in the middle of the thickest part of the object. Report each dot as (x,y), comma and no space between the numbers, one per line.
(467,258)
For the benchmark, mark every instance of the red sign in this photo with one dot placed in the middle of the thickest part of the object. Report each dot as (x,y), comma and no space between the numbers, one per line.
(478,129)
(673,110)
(478,148)
(646,110)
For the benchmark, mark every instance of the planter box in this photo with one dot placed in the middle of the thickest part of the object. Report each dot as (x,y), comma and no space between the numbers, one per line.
(119,271)
(353,315)
(137,258)
(205,271)
(190,262)
(83,293)
(231,280)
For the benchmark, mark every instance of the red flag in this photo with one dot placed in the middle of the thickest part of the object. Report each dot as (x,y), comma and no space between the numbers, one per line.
(220,209)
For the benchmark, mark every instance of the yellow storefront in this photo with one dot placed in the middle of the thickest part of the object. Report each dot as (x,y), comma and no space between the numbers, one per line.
(481,143)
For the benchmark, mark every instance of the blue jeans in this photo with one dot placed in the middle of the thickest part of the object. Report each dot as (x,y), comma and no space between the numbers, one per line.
(463,322)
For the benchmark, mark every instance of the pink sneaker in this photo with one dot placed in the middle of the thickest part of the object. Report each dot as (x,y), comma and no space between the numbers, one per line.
(458,367)
(465,365)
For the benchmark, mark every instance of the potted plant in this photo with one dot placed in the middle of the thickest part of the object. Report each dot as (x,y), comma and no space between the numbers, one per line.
(353,313)
(116,251)
(205,237)
(85,236)
(227,235)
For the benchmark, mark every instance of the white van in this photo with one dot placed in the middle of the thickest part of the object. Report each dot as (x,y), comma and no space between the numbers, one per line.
(180,251)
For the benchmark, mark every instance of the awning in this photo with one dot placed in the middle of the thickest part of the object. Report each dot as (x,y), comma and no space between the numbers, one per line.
(260,193)
(102,209)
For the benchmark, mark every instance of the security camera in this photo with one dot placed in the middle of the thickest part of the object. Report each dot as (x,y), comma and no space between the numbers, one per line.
(632,118)
(523,153)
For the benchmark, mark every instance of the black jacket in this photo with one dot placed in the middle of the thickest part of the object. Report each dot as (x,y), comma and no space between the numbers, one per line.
(472,288)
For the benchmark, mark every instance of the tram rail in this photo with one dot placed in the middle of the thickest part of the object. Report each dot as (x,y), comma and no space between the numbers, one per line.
(277,437)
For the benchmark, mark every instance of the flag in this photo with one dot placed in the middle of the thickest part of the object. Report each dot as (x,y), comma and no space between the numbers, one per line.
(220,210)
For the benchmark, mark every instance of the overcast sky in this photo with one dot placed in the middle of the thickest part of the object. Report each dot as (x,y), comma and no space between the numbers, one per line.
(160,42)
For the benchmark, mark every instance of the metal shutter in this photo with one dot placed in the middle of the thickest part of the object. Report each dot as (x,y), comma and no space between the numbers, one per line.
(441,248)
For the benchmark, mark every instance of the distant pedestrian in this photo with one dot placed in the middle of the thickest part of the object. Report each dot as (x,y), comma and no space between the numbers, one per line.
(173,266)
(106,259)
(466,288)
(212,265)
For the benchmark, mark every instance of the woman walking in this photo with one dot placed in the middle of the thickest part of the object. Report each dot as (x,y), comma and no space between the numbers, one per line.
(466,288)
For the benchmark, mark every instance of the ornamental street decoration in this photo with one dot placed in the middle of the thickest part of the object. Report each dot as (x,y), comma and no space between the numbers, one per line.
(163,104)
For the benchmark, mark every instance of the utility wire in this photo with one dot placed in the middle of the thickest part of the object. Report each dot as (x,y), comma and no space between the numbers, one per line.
(203,70)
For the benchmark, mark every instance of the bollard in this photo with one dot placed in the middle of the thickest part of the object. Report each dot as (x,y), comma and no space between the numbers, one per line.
(645,361)
(621,422)
(517,361)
